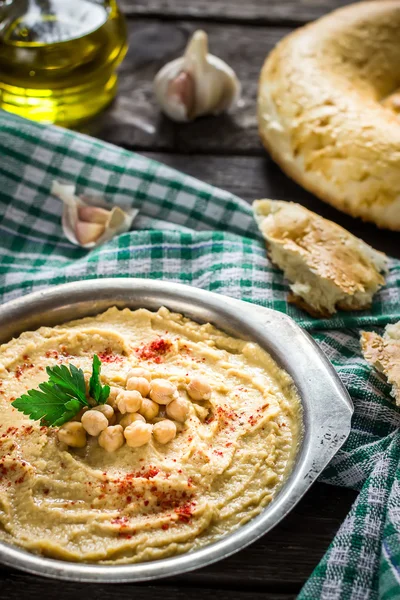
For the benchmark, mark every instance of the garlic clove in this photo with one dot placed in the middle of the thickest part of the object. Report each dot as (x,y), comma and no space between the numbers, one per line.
(196,84)
(89,222)
(174,90)
(116,218)
(93,214)
(181,91)
(88,232)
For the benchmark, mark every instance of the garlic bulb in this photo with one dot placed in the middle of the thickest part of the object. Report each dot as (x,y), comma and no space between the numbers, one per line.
(89,222)
(197,83)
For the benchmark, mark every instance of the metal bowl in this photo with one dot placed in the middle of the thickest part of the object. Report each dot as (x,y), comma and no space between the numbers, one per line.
(327,407)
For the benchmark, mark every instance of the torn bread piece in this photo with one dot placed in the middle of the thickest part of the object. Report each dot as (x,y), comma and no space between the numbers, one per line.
(383,353)
(328,268)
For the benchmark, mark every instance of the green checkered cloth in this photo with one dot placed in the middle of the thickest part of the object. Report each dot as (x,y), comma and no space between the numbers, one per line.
(193,233)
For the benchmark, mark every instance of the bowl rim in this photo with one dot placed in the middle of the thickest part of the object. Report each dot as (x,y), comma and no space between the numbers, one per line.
(327,407)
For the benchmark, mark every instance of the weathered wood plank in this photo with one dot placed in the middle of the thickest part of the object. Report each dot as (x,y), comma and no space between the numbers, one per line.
(16,586)
(135,120)
(280,561)
(257,11)
(252,177)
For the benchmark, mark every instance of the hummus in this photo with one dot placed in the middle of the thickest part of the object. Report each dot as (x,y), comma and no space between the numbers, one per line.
(225,464)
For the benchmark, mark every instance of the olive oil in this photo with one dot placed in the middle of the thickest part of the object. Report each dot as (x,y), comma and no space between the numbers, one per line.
(58,58)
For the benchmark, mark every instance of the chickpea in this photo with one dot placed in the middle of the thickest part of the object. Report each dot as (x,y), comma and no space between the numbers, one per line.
(140,384)
(112,398)
(138,434)
(149,409)
(129,401)
(94,422)
(139,372)
(111,438)
(162,391)
(164,431)
(107,411)
(130,418)
(72,434)
(178,409)
(198,388)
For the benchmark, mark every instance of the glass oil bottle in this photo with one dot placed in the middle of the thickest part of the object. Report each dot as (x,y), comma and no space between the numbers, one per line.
(58,58)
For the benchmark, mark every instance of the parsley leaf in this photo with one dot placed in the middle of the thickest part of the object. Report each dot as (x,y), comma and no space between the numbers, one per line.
(60,398)
(73,407)
(50,403)
(71,380)
(98,392)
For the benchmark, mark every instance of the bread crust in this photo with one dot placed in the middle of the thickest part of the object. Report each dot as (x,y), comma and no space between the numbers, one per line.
(302,304)
(320,112)
(328,267)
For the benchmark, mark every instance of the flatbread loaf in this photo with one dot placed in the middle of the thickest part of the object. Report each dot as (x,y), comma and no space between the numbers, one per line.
(327,109)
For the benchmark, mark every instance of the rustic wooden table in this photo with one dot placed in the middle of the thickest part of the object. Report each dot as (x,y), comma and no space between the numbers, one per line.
(226,152)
